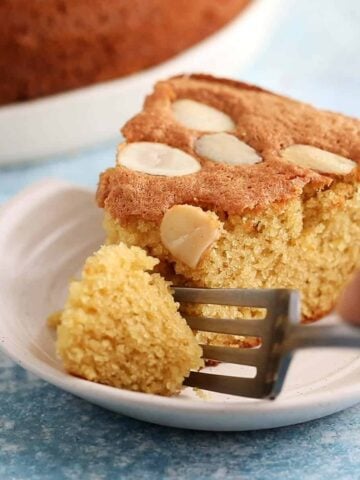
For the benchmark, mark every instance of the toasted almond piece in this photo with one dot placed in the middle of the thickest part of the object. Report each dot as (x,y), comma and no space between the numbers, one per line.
(157,159)
(226,148)
(187,232)
(317,159)
(199,116)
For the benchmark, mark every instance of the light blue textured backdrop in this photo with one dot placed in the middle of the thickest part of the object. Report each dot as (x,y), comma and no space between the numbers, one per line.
(48,434)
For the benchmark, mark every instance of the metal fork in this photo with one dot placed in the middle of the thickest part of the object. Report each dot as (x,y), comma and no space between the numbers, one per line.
(280,332)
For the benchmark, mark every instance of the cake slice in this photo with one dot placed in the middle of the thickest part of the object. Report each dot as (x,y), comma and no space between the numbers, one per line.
(229,185)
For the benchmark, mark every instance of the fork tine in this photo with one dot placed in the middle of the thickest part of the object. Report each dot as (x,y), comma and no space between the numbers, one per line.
(249,387)
(250,297)
(282,312)
(232,326)
(242,356)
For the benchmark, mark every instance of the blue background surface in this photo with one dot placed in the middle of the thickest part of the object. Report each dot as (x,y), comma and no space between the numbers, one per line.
(45,433)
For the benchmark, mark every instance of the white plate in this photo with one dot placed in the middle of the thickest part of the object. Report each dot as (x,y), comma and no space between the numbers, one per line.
(45,234)
(68,121)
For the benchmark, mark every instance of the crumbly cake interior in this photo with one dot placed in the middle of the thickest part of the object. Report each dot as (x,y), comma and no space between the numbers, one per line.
(306,244)
(120,325)
(283,224)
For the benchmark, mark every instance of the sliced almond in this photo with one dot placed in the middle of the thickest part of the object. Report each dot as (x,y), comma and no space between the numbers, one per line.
(226,148)
(317,159)
(157,159)
(199,116)
(187,232)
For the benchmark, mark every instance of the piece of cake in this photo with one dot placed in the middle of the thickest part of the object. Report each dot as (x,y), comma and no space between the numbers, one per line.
(121,327)
(229,185)
(52,46)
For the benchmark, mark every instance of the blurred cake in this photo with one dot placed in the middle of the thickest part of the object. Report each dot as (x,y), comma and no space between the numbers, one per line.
(229,185)
(120,325)
(51,46)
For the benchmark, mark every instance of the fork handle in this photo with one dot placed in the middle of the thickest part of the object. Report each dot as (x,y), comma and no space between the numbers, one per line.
(307,336)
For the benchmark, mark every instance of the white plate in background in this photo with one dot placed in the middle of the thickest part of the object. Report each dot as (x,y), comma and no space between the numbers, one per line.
(86,116)
(45,235)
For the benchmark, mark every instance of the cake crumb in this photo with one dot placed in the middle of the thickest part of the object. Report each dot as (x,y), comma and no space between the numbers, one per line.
(202,394)
(54,319)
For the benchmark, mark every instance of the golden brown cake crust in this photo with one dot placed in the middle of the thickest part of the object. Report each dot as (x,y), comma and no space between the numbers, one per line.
(56,45)
(265,121)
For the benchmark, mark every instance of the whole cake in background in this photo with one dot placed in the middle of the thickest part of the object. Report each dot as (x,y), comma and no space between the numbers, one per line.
(52,46)
(229,185)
